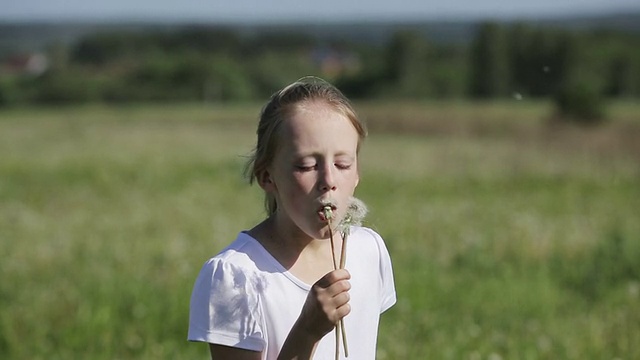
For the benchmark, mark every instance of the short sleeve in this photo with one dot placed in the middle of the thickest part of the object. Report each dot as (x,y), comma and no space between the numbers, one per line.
(388,289)
(224,307)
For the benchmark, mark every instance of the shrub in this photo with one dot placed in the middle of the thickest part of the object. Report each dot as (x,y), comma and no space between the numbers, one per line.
(14,91)
(580,102)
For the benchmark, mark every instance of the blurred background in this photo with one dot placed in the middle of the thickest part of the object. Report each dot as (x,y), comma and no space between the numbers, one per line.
(71,52)
(502,167)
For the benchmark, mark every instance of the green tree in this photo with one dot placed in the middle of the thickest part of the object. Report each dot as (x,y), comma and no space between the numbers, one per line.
(407,64)
(621,77)
(489,62)
(519,47)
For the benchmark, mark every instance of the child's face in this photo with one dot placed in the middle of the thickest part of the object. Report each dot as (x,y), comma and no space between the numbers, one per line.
(316,161)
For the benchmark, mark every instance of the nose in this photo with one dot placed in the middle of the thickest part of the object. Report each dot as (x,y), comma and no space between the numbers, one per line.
(327,179)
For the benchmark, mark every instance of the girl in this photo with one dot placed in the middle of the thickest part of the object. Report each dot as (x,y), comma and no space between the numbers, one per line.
(273,293)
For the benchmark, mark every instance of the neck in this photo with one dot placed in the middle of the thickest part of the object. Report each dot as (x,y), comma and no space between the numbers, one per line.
(291,236)
(287,244)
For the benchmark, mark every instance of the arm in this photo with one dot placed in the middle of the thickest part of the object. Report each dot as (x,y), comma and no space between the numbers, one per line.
(326,304)
(219,352)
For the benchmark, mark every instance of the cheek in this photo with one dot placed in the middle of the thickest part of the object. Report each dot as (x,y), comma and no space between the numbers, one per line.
(303,181)
(357,180)
(352,178)
(293,183)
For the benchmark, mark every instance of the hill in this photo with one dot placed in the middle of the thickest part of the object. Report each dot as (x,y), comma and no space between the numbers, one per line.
(29,37)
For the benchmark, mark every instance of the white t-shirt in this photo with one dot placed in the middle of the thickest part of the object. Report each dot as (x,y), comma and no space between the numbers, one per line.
(244,298)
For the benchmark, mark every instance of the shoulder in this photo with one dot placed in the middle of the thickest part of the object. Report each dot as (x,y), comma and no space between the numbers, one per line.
(365,236)
(373,260)
(244,252)
(368,243)
(225,301)
(365,231)
(236,266)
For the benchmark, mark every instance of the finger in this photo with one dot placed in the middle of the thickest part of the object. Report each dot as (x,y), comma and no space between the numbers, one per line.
(342,311)
(335,295)
(338,308)
(332,277)
(338,287)
(341,299)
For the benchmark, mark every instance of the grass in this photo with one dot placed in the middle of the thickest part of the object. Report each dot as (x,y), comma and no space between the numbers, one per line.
(511,238)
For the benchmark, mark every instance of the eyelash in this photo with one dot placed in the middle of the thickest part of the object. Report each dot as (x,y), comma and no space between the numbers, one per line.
(305,168)
(313,167)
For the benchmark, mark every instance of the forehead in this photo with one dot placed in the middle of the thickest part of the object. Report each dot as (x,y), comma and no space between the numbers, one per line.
(320,125)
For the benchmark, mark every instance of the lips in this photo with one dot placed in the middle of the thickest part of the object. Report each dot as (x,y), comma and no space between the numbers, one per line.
(321,210)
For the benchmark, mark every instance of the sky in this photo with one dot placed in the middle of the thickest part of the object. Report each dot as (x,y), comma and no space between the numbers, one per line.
(300,10)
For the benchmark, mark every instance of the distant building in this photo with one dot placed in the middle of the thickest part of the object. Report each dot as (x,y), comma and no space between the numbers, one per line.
(333,62)
(27,64)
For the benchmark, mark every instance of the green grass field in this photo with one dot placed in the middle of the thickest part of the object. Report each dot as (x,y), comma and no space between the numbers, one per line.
(512,238)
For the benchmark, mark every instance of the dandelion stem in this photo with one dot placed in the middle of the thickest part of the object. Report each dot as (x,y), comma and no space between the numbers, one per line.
(328,214)
(335,266)
(344,339)
(343,251)
(333,246)
(343,260)
(338,341)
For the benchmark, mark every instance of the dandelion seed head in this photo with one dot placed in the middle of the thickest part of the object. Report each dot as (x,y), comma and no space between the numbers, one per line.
(328,212)
(356,211)
(327,209)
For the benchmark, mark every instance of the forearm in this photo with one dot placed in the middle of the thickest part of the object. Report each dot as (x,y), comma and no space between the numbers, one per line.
(299,345)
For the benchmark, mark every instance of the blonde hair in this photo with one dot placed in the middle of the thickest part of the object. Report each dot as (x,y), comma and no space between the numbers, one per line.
(281,105)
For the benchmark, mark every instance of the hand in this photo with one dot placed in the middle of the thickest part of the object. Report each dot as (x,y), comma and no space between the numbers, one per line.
(326,304)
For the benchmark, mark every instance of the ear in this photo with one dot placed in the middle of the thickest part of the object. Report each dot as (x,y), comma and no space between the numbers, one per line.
(265,181)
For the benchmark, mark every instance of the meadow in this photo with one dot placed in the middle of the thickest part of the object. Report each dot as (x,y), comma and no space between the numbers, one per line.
(512,237)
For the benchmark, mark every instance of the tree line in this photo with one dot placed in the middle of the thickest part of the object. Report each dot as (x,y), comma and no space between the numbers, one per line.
(220,65)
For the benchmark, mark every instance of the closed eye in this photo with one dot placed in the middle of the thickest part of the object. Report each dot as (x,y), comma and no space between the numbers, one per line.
(306,167)
(343,166)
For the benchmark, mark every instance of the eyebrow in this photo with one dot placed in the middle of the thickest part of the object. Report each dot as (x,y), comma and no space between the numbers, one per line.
(316,154)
